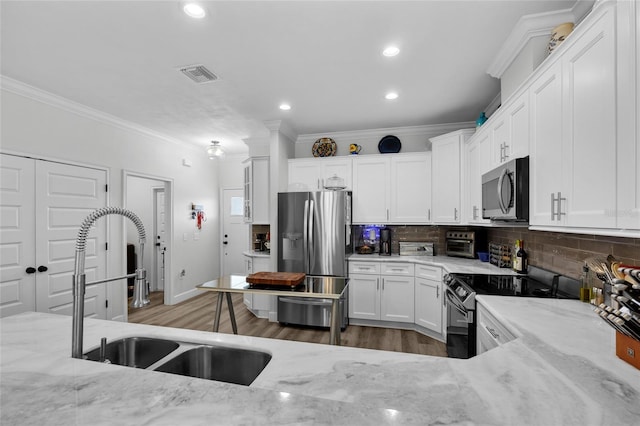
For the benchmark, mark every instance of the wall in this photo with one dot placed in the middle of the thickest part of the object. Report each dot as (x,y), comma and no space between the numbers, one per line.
(71,133)
(527,60)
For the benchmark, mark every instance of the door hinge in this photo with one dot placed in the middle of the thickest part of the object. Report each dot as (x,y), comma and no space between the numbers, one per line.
(106,303)
(106,188)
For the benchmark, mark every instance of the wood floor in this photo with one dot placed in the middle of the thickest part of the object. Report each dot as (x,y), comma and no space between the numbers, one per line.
(198,313)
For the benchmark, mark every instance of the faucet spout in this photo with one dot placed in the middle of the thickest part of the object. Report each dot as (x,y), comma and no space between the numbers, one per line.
(79,278)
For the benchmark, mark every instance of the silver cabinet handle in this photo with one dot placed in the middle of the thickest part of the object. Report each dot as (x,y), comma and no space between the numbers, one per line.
(455,213)
(506,153)
(383,284)
(475,212)
(553,209)
(437,292)
(559,213)
(560,200)
(429,214)
(377,283)
(492,332)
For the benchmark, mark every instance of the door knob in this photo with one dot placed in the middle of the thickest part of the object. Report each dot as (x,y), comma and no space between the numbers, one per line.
(225,243)
(42,268)
(30,270)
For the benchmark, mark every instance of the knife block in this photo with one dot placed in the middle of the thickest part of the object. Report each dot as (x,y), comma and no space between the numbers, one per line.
(628,349)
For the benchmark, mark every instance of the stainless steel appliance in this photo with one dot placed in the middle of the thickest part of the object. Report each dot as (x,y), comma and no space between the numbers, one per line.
(464,243)
(385,242)
(460,300)
(315,238)
(505,192)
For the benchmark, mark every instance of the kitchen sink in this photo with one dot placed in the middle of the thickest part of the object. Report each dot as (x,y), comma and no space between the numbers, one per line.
(225,364)
(212,362)
(137,352)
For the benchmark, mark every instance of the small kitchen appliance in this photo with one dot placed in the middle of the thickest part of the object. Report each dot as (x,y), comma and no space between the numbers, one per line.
(464,243)
(385,242)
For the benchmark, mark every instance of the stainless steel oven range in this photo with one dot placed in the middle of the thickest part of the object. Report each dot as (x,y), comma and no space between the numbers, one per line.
(460,292)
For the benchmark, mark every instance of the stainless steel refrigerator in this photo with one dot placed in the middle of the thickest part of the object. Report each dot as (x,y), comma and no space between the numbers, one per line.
(314,237)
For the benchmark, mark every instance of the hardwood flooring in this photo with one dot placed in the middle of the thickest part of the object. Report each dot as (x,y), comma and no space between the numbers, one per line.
(198,313)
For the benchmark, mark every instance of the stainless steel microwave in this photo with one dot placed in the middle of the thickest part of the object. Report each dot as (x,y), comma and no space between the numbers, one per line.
(505,192)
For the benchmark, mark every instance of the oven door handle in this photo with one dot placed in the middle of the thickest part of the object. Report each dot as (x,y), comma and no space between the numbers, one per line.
(453,300)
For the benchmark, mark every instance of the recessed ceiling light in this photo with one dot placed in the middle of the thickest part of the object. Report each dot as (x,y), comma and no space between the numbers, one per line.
(391,96)
(285,107)
(194,10)
(390,51)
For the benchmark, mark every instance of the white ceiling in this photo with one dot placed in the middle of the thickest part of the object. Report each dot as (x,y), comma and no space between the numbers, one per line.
(323,57)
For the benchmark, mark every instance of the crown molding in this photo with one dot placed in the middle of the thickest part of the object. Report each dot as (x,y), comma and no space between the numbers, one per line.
(531,26)
(22,89)
(426,130)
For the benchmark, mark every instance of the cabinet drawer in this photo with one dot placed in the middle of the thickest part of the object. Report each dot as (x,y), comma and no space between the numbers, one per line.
(429,272)
(393,268)
(487,323)
(364,268)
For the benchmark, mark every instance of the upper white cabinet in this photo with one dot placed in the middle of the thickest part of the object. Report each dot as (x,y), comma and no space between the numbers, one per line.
(392,188)
(311,174)
(510,131)
(477,155)
(256,190)
(574,139)
(447,161)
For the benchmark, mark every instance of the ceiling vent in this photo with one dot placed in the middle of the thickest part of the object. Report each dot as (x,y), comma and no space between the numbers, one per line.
(199,74)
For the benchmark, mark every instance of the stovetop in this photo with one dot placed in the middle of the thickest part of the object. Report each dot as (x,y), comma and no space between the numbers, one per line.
(535,284)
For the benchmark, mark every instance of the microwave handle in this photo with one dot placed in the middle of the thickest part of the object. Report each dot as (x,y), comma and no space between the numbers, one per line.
(500,200)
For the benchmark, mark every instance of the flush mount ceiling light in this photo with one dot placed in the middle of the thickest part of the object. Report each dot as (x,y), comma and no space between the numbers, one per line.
(391,96)
(390,51)
(285,107)
(215,150)
(194,10)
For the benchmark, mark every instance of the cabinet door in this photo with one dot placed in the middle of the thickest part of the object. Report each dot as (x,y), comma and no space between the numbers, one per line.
(397,299)
(247,298)
(546,140)
(260,191)
(340,167)
(589,148)
(304,175)
(410,189)
(446,180)
(500,142)
(428,304)
(247,193)
(476,159)
(519,119)
(364,297)
(371,189)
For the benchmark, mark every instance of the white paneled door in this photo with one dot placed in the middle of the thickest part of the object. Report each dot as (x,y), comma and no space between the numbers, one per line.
(234,232)
(45,204)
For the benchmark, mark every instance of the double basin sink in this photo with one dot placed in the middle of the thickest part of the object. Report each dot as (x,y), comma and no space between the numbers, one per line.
(204,361)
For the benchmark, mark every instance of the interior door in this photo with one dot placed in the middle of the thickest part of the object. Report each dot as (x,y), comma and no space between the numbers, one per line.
(235,233)
(17,235)
(65,195)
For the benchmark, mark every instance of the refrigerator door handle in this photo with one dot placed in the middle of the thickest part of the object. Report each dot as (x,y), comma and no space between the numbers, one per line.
(310,232)
(305,236)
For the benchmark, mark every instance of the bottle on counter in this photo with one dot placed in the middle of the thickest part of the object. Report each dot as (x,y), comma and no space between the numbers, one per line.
(520,261)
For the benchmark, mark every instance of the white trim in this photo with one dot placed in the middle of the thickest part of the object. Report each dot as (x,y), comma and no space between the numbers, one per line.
(430,129)
(184,296)
(531,26)
(39,95)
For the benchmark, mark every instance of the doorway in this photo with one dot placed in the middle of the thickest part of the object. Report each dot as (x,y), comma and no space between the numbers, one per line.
(235,233)
(149,197)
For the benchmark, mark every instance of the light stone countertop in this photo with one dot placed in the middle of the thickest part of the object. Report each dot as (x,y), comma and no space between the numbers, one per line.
(560,370)
(450,264)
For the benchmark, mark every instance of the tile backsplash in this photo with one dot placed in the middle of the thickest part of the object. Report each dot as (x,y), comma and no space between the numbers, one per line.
(555,251)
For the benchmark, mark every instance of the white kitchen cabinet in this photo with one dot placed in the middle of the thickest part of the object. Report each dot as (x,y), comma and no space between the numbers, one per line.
(510,131)
(371,189)
(476,163)
(447,161)
(573,144)
(387,296)
(311,174)
(428,297)
(410,195)
(261,305)
(490,333)
(256,190)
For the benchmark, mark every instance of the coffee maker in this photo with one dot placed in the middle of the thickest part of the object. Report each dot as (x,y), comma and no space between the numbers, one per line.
(385,242)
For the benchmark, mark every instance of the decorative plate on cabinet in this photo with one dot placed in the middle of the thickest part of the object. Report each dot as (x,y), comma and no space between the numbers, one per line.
(324,147)
(389,145)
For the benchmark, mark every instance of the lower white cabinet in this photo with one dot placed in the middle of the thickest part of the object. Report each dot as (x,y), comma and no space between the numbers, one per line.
(260,305)
(428,297)
(381,291)
(490,332)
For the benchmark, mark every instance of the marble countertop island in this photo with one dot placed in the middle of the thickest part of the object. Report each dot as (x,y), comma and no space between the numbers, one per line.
(560,370)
